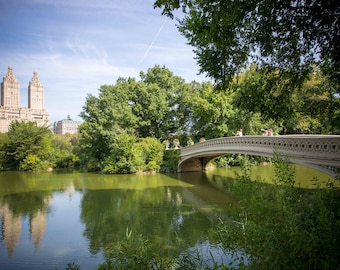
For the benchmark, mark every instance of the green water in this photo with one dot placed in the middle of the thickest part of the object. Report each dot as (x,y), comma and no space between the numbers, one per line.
(51,219)
(304,177)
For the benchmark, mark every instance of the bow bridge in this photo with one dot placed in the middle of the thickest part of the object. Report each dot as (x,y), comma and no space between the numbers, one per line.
(321,152)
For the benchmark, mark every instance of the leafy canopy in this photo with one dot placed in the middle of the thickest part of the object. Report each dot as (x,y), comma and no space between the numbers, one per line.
(288,35)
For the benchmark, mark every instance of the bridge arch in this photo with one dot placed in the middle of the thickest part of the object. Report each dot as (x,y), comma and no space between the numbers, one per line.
(321,152)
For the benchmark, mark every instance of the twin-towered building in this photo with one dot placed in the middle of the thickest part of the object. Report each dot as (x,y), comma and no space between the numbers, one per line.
(10,109)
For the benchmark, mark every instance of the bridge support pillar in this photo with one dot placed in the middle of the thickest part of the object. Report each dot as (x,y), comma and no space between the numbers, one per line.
(191,165)
(194,164)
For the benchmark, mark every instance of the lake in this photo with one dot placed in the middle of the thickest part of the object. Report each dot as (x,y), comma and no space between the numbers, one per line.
(49,220)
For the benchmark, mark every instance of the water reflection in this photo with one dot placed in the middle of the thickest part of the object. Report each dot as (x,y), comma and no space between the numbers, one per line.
(305,177)
(12,208)
(11,228)
(163,216)
(208,255)
(49,220)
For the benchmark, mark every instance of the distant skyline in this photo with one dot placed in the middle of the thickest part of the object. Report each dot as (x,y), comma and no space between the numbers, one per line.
(78,45)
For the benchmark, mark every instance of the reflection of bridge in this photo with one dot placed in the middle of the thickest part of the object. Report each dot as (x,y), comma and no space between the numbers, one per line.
(321,152)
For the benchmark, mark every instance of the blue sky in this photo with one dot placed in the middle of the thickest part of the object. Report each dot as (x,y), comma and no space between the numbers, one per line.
(78,45)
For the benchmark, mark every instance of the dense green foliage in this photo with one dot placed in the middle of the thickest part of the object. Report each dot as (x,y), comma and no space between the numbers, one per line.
(162,106)
(287,35)
(278,43)
(312,108)
(29,147)
(125,112)
(65,151)
(170,161)
(282,226)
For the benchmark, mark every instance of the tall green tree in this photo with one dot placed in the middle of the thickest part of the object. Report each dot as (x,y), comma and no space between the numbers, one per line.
(175,118)
(148,102)
(265,91)
(122,113)
(319,100)
(211,111)
(316,106)
(106,117)
(313,107)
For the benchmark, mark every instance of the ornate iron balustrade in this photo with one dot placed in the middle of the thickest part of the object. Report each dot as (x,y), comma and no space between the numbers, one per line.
(321,152)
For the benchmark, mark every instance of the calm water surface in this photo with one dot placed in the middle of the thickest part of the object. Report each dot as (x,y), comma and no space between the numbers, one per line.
(51,219)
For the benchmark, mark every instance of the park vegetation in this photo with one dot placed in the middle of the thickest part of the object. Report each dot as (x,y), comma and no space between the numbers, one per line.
(129,124)
(285,37)
(272,64)
(162,109)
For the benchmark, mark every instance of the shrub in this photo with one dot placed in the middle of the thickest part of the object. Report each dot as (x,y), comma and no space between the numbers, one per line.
(33,163)
(283,227)
(151,152)
(170,161)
